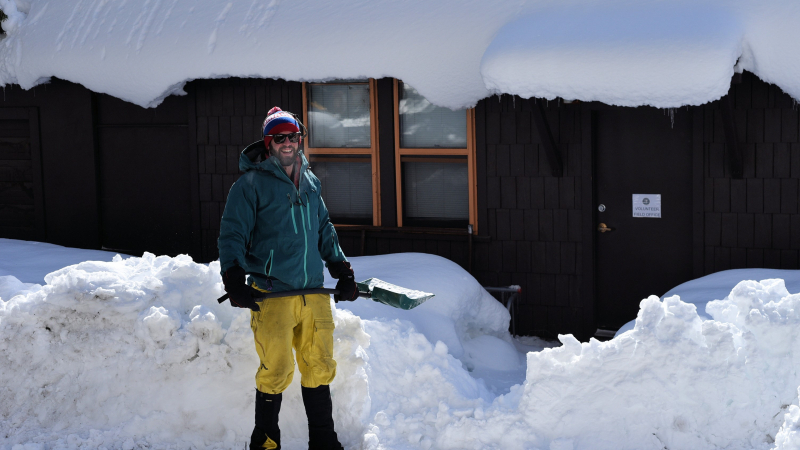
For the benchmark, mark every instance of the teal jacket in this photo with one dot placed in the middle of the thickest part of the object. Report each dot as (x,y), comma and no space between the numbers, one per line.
(278,233)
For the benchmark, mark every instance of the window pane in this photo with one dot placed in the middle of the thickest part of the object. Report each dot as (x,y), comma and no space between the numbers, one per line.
(435,189)
(338,115)
(346,187)
(423,125)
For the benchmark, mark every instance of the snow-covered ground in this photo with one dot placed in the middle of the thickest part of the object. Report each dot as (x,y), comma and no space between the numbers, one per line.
(454,52)
(136,353)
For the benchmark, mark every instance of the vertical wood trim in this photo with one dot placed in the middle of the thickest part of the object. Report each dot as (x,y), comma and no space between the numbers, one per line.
(376,157)
(194,175)
(36,169)
(480,162)
(473,178)
(305,118)
(698,186)
(397,167)
(588,234)
(386,140)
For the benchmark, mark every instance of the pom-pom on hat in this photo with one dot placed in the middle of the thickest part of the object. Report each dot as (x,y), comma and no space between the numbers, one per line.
(278,121)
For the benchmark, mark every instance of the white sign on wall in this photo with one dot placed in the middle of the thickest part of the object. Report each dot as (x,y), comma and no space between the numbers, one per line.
(647,205)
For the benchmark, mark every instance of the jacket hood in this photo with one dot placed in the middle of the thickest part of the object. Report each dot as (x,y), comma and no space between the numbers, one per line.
(250,159)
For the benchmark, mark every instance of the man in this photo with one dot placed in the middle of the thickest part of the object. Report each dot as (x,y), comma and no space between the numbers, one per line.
(276,229)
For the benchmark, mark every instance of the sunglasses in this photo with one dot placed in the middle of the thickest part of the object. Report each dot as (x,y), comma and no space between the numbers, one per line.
(280,138)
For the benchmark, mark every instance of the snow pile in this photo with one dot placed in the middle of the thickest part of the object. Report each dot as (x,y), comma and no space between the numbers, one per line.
(137,353)
(675,381)
(718,285)
(789,435)
(10,286)
(461,310)
(453,52)
(30,261)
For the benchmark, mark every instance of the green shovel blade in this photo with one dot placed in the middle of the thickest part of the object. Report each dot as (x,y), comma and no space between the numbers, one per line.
(395,296)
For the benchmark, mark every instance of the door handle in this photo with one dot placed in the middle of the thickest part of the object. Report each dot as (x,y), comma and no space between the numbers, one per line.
(603,228)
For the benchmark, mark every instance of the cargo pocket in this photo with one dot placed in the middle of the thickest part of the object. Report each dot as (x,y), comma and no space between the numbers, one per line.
(323,338)
(319,367)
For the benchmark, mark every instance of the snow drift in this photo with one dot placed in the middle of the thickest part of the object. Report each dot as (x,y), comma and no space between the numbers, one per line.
(454,52)
(137,353)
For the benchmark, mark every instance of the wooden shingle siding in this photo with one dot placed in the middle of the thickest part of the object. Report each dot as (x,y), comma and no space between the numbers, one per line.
(753,222)
(536,230)
(229,114)
(533,220)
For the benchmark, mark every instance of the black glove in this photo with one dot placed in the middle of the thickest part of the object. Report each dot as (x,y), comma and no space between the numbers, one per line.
(241,295)
(348,291)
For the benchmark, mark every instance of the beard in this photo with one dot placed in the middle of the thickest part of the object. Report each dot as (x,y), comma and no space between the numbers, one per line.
(286,159)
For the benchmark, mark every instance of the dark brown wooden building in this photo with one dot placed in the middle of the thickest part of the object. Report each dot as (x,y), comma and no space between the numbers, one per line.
(87,170)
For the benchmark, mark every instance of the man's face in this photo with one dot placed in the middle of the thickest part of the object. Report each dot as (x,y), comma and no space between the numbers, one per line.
(286,152)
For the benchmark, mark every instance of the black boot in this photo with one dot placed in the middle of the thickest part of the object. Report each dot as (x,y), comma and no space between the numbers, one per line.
(266,434)
(319,410)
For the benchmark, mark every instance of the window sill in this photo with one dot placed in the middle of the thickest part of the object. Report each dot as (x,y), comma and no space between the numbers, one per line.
(410,230)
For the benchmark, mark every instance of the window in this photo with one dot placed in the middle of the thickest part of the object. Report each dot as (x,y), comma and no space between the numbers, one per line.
(435,158)
(342,147)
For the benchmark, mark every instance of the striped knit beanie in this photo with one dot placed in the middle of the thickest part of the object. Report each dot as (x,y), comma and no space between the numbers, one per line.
(278,121)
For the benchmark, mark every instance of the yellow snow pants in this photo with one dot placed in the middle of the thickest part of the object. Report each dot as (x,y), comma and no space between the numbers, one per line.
(302,322)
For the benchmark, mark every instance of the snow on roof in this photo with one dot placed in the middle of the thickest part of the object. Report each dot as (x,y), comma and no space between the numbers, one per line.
(454,52)
(665,54)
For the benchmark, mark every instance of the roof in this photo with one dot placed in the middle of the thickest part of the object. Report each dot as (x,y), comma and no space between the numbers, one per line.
(664,53)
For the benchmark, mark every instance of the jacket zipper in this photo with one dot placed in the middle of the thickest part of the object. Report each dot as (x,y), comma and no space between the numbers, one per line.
(333,242)
(308,209)
(294,224)
(291,212)
(305,249)
(269,260)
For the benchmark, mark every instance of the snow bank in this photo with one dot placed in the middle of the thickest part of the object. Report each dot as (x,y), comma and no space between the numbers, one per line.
(454,52)
(137,353)
(675,381)
(461,311)
(30,261)
(717,286)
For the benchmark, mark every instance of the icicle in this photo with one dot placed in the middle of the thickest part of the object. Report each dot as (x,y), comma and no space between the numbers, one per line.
(671,112)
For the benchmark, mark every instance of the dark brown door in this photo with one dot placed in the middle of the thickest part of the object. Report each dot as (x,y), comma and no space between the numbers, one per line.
(641,151)
(145,194)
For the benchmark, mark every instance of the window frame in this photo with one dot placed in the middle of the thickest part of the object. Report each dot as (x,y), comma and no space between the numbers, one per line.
(373,151)
(468,151)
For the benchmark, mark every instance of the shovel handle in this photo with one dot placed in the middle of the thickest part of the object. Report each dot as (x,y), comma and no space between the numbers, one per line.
(267,295)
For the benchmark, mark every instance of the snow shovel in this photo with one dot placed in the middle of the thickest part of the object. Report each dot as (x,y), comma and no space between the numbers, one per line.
(378,290)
